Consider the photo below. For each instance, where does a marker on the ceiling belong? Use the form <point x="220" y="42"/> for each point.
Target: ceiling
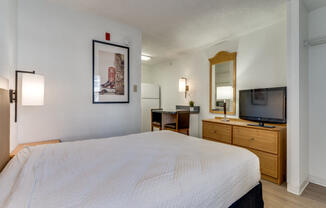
<point x="314" y="4"/>
<point x="170" y="27"/>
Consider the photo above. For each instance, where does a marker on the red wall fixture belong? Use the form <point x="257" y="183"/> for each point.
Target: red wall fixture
<point x="107" y="36"/>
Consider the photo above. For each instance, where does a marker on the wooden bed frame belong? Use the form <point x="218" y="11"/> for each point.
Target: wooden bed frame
<point x="4" y="126"/>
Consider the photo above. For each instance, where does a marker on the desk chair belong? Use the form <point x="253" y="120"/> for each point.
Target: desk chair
<point x="182" y="123"/>
<point x="156" y="119"/>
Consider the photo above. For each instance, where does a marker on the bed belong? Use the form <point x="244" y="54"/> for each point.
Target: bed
<point x="154" y="169"/>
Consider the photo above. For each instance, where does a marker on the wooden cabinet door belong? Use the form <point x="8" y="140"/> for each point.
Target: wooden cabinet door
<point x="257" y="139"/>
<point x="217" y="132"/>
<point x="268" y="163"/>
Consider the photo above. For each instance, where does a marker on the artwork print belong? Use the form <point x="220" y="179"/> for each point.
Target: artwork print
<point x="110" y="73"/>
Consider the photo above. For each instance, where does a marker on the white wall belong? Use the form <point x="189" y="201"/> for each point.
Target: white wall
<point x="8" y="39"/>
<point x="146" y="74"/>
<point x="57" y="43"/>
<point x="8" y="12"/>
<point x="317" y="98"/>
<point x="261" y="62"/>
<point x="297" y="78"/>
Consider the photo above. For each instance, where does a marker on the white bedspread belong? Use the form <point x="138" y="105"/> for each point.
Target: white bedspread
<point x="159" y="169"/>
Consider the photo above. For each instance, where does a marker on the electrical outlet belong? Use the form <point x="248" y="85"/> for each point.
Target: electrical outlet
<point x="135" y="88"/>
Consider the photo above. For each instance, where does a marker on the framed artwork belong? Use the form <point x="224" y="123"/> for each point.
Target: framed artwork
<point x="110" y="73"/>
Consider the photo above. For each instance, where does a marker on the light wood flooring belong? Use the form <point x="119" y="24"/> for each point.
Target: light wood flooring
<point x="276" y="196"/>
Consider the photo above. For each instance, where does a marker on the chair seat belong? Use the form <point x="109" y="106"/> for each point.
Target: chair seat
<point x="155" y="123"/>
<point x="171" y="125"/>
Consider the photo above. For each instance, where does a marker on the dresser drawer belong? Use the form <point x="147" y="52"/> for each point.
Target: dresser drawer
<point x="268" y="163"/>
<point x="217" y="132"/>
<point x="263" y="140"/>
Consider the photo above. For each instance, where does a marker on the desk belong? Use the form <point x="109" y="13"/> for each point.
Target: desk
<point x="178" y="108"/>
<point x="165" y="116"/>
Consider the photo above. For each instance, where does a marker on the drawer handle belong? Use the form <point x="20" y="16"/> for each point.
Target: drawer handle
<point x="252" y="139"/>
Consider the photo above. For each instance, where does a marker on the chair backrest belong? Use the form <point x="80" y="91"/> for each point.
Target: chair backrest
<point x="156" y="117"/>
<point x="183" y="118"/>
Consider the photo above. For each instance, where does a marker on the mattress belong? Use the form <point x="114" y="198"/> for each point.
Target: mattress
<point x="154" y="169"/>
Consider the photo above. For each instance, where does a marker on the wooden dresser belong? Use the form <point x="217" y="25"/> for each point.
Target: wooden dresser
<point x="269" y="144"/>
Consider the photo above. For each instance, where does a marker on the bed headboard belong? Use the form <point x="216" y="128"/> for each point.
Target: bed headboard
<point x="4" y="126"/>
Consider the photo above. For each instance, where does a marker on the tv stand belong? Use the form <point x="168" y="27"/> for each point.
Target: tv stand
<point x="262" y="124"/>
<point x="269" y="144"/>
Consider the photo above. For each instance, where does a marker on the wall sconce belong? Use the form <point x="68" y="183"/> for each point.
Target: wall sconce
<point x="32" y="90"/>
<point x="183" y="87"/>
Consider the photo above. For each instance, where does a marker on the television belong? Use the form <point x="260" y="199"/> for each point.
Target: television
<point x="263" y="105"/>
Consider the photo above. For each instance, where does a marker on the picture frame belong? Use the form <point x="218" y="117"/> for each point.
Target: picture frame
<point x="110" y="81"/>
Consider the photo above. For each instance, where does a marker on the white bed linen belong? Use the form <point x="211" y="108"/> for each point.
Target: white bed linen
<point x="159" y="169"/>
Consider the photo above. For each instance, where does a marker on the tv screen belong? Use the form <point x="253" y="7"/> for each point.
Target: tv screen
<point x="263" y="105"/>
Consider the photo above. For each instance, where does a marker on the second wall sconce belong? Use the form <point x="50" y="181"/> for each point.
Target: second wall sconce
<point x="183" y="86"/>
<point x="32" y="90"/>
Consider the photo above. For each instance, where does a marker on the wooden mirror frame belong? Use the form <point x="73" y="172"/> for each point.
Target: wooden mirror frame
<point x="221" y="57"/>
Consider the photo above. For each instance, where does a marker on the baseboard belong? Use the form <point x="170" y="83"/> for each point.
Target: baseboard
<point x="317" y="180"/>
<point x="297" y="190"/>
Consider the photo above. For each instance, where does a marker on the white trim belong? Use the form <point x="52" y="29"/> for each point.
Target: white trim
<point x="317" y="180"/>
<point x="297" y="190"/>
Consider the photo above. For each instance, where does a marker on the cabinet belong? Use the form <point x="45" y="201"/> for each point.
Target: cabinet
<point x="269" y="144"/>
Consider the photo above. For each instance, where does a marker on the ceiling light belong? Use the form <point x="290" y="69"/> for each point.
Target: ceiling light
<point x="145" y="58"/>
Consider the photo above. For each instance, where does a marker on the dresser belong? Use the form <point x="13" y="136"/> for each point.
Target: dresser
<point x="269" y="144"/>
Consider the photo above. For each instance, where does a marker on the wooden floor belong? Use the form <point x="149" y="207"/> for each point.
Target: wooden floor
<point x="276" y="196"/>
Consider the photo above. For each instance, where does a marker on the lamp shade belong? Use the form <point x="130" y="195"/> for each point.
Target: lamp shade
<point x="182" y="85"/>
<point x="224" y="93"/>
<point x="32" y="90"/>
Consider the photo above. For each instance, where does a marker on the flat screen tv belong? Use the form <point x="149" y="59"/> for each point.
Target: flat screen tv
<point x="263" y="105"/>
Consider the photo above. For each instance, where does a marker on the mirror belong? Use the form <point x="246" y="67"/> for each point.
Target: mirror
<point x="223" y="82"/>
